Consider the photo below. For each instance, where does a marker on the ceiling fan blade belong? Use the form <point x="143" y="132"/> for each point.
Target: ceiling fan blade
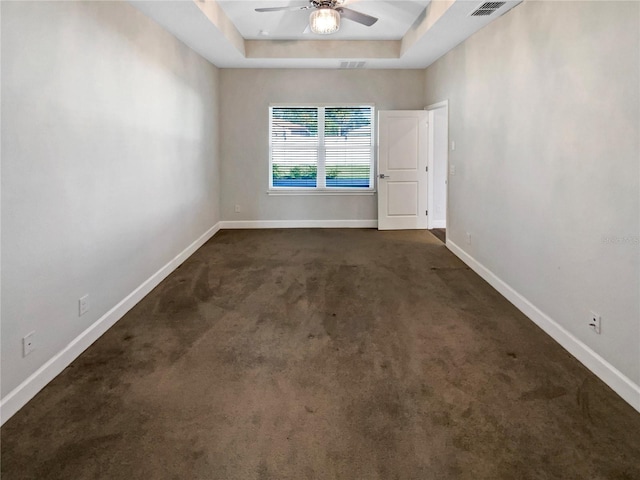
<point x="358" y="17"/>
<point x="280" y="9"/>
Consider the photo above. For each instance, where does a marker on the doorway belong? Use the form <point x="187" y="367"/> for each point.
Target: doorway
<point x="438" y="181"/>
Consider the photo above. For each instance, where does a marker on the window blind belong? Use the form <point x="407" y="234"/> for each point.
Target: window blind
<point x="348" y="147"/>
<point x="294" y="146"/>
<point x="335" y="142"/>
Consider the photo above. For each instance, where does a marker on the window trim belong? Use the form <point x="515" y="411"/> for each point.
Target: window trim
<point x="323" y="189"/>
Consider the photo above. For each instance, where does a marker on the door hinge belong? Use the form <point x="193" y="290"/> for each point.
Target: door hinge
<point x="426" y="212"/>
<point x="426" y="169"/>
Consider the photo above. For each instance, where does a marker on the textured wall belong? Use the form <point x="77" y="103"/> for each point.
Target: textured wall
<point x="544" y="110"/>
<point x="245" y="98"/>
<point x="109" y="165"/>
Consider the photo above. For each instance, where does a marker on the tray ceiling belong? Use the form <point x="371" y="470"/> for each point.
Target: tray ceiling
<point x="408" y="34"/>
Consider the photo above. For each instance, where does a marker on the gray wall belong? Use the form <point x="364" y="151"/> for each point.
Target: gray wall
<point x="245" y="98"/>
<point x="109" y="165"/>
<point x="544" y="110"/>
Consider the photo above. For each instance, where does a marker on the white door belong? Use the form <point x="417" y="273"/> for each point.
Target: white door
<point x="402" y="169"/>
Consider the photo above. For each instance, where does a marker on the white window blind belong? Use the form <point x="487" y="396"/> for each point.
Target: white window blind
<point x="348" y="147"/>
<point x="321" y="147"/>
<point x="294" y="147"/>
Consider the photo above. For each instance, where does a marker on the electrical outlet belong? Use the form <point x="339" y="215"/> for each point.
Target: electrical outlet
<point x="28" y="344"/>
<point x="468" y="238"/>
<point x="83" y="305"/>
<point x="452" y="169"/>
<point x="237" y="208"/>
<point x="594" y="322"/>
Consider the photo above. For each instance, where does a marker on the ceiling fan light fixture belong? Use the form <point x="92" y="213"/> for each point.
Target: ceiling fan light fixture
<point x="324" y="21"/>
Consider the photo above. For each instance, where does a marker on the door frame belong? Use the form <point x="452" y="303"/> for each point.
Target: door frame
<point x="431" y="160"/>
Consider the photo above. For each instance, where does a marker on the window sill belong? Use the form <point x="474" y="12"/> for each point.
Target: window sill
<point x="317" y="191"/>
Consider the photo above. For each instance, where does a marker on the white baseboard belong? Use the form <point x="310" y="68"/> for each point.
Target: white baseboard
<point x="298" y="224"/>
<point x="610" y="375"/>
<point x="438" y="224"/>
<point x="24" y="392"/>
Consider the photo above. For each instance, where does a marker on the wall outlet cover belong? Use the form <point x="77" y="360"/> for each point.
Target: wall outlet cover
<point x="28" y="344"/>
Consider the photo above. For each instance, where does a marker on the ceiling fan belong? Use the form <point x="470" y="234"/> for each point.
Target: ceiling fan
<point x="325" y="17"/>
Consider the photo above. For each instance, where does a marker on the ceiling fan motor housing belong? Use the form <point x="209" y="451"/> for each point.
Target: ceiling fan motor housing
<point x="325" y="3"/>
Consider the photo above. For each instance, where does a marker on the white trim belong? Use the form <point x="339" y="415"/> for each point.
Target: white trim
<point x="433" y="106"/>
<point x="244" y="224"/>
<point x="430" y="201"/>
<point x="335" y="191"/>
<point x="322" y="104"/>
<point x="24" y="392"/>
<point x="430" y="163"/>
<point x="610" y="375"/>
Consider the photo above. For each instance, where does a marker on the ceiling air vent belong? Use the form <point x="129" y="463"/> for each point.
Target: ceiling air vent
<point x="486" y="9"/>
<point x="352" y="64"/>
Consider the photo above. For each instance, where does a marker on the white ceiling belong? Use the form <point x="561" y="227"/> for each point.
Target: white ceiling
<point x="408" y="34"/>
<point x="394" y="19"/>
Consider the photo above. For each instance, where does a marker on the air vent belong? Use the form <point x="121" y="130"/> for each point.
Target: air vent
<point x="352" y="64"/>
<point x="486" y="9"/>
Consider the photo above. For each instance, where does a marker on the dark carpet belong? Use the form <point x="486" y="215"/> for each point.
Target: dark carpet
<point x="324" y="354"/>
<point x="440" y="234"/>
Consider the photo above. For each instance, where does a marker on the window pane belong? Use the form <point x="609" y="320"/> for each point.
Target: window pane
<point x="294" y="146"/>
<point x="348" y="146"/>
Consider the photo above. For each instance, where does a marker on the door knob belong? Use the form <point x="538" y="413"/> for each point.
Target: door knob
<point x="382" y="175"/>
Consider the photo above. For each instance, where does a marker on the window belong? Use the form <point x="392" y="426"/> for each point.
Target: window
<point x="323" y="148"/>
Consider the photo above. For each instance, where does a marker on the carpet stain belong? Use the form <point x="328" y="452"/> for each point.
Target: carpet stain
<point x="582" y="399"/>
<point x="547" y="392"/>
